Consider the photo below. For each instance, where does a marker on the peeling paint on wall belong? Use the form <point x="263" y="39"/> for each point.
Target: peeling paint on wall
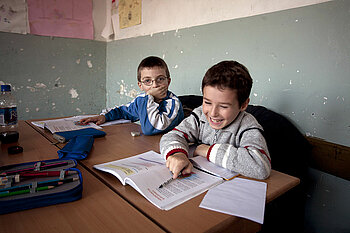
<point x="291" y="70"/>
<point x="133" y="93"/>
<point x="124" y="89"/>
<point x="89" y="64"/>
<point x="40" y="85"/>
<point x="73" y="93"/>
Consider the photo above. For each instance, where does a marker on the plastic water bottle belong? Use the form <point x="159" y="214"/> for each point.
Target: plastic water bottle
<point x="8" y="116"/>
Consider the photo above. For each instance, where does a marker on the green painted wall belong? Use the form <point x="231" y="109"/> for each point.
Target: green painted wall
<point x="298" y="58"/>
<point x="53" y="77"/>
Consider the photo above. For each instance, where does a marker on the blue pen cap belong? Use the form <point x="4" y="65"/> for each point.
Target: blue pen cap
<point x="5" y="88"/>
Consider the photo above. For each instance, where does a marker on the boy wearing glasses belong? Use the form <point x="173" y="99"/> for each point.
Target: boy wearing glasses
<point x="224" y="133"/>
<point x="157" y="109"/>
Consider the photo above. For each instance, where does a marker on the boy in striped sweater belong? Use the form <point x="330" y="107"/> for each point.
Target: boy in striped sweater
<point x="158" y="109"/>
<point x="224" y="133"/>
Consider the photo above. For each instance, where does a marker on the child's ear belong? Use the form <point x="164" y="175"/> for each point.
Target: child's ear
<point x="245" y="104"/>
<point x="140" y="85"/>
<point x="169" y="80"/>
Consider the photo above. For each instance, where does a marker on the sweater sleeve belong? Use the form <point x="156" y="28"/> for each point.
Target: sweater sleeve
<point x="128" y="112"/>
<point x="250" y="158"/>
<point x="179" y="138"/>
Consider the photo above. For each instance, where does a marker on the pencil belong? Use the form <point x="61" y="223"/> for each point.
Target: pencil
<point x="12" y="193"/>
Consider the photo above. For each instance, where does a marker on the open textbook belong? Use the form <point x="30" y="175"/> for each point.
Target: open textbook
<point x="72" y="123"/>
<point x="204" y="165"/>
<point x="147" y="171"/>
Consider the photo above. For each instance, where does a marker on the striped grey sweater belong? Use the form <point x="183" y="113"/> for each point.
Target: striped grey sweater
<point x="239" y="147"/>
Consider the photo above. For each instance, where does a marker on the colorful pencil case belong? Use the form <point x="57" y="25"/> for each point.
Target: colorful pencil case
<point x="41" y="183"/>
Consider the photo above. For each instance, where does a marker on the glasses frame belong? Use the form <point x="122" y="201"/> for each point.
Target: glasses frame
<point x="157" y="80"/>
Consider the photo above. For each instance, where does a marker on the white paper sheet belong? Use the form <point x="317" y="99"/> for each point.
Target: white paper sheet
<point x="115" y="122"/>
<point x="41" y="124"/>
<point x="240" y="197"/>
<point x="13" y="16"/>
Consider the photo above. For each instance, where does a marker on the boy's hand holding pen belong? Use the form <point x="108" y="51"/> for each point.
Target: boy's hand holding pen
<point x="179" y="165"/>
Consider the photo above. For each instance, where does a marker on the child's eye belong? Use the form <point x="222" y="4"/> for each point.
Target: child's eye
<point x="160" y="79"/>
<point x="207" y="103"/>
<point x="223" y="106"/>
<point x="147" y="81"/>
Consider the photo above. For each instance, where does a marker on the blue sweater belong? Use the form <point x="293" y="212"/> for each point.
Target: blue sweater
<point x="154" y="118"/>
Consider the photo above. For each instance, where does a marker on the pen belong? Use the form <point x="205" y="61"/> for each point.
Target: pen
<point x="40" y="184"/>
<point x="196" y="166"/>
<point x="45" y="173"/>
<point x="44" y="166"/>
<point x="34" y="174"/>
<point x="9" y="193"/>
<point x="171" y="179"/>
<point x="165" y="183"/>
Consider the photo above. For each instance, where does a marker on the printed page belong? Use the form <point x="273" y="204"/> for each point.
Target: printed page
<point x="41" y="124"/>
<point x="67" y="124"/>
<point x="140" y="164"/>
<point x="147" y="171"/>
<point x="203" y="164"/>
<point x="175" y="192"/>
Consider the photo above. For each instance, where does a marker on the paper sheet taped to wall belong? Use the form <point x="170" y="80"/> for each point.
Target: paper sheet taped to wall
<point x="129" y="13"/>
<point x="13" y="16"/>
<point x="69" y="18"/>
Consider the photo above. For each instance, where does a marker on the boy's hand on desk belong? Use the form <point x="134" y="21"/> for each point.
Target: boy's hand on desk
<point x="158" y="92"/>
<point x="177" y="163"/>
<point x="96" y="119"/>
<point x="201" y="150"/>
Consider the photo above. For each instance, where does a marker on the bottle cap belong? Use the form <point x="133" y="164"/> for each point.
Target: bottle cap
<point x="5" y="88"/>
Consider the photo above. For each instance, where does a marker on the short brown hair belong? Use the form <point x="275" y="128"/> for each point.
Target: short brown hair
<point x="150" y="62"/>
<point x="230" y="74"/>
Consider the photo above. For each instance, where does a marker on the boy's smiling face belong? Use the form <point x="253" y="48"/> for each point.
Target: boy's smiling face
<point x="220" y="106"/>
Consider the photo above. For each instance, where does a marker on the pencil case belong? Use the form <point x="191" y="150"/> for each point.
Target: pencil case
<point x="40" y="183"/>
<point x="67" y="135"/>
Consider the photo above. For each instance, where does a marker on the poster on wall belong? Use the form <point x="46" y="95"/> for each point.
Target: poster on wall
<point x="129" y="13"/>
<point x="64" y="18"/>
<point x="13" y="16"/>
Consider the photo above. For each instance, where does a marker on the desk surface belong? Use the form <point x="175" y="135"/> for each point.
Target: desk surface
<point x="99" y="210"/>
<point x="120" y="144"/>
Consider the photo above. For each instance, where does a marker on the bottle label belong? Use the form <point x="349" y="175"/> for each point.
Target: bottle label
<point x="8" y="116"/>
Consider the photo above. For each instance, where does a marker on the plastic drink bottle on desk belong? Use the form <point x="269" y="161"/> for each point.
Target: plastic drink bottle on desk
<point x="8" y="116"/>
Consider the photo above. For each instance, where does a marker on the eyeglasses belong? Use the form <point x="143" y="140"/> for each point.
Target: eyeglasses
<point x="158" y="80"/>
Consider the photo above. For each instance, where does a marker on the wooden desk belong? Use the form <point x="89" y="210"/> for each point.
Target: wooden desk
<point x="34" y="146"/>
<point x="99" y="210"/>
<point x="188" y="217"/>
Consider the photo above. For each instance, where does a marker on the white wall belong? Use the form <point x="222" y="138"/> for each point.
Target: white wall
<point x="167" y="15"/>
